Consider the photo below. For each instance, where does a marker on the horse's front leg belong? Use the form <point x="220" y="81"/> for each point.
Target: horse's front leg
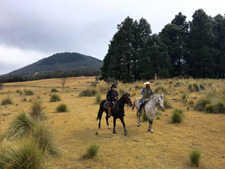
<point x="124" y="126"/>
<point x="138" y="118"/>
<point x="107" y="121"/>
<point x="114" y="125"/>
<point x="150" y="125"/>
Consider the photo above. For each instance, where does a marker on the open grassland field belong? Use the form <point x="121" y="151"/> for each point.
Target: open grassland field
<point x="168" y="147"/>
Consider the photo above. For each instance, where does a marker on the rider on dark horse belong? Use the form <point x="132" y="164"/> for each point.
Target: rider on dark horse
<point x="146" y="93"/>
<point x="111" y="97"/>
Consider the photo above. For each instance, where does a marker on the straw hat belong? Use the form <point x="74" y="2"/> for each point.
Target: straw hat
<point x="147" y="83"/>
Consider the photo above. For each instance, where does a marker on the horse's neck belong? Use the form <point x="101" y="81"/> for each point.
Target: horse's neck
<point x="152" y="102"/>
<point x="120" y="102"/>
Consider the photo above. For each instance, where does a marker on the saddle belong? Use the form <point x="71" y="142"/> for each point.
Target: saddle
<point x="146" y="101"/>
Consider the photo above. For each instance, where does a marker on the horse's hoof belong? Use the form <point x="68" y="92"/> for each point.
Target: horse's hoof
<point x="148" y="129"/>
<point x="114" y="132"/>
<point x="108" y="127"/>
<point x="125" y="133"/>
<point x="151" y="131"/>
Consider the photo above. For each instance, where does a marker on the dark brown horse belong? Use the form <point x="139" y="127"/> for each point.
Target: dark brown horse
<point x="117" y="112"/>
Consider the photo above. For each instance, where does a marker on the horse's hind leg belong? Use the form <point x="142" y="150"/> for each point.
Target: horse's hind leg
<point x="150" y="125"/>
<point x="114" y="125"/>
<point x="107" y="121"/>
<point x="124" y="126"/>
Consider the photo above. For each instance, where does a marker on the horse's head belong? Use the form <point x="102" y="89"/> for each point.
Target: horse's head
<point x="127" y="99"/>
<point x="160" y="101"/>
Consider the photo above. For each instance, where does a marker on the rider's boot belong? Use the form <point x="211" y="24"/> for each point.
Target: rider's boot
<point x="109" y="111"/>
<point x="140" y="108"/>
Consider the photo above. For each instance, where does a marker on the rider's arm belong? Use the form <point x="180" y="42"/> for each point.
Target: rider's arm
<point x="142" y="92"/>
<point x="151" y="92"/>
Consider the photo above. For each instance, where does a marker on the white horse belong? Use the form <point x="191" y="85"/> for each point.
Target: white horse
<point x="150" y="109"/>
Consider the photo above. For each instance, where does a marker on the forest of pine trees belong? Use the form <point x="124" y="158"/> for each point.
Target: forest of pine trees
<point x="182" y="49"/>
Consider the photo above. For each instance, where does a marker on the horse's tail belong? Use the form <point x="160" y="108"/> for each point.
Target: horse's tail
<point x="100" y="111"/>
<point x="133" y="104"/>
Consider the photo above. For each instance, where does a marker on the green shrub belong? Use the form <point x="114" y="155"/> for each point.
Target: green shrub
<point x="92" y="150"/>
<point x="21" y="126"/>
<point x="195" y="157"/>
<point x="55" y="98"/>
<point x="220" y="107"/>
<point x="144" y="117"/>
<point x="177" y="116"/>
<point x="46" y="141"/>
<point x="98" y="98"/>
<point x="88" y="93"/>
<point x="161" y="90"/>
<point x="62" y="108"/>
<point x="209" y="108"/>
<point x="201" y="103"/>
<point x="23" y="155"/>
<point x="37" y="111"/>
<point x="6" y="101"/>
<point x="28" y="92"/>
<point x="54" y="90"/>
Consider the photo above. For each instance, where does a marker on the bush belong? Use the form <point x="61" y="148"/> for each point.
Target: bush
<point x="55" y="98"/>
<point x="98" y="98"/>
<point x="54" y="90"/>
<point x="184" y="97"/>
<point x="46" y="141"/>
<point x="161" y="90"/>
<point x="195" y="157"/>
<point x="220" y="107"/>
<point x="144" y="117"/>
<point x="62" y="108"/>
<point x="28" y="92"/>
<point x="37" y="111"/>
<point x="201" y="103"/>
<point x="21" y="126"/>
<point x="92" y="150"/>
<point x="209" y="108"/>
<point x="88" y="93"/>
<point x="6" y="101"/>
<point x="177" y="116"/>
<point x="23" y="155"/>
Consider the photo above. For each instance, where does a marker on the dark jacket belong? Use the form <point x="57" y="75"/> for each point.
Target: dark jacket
<point x="112" y="95"/>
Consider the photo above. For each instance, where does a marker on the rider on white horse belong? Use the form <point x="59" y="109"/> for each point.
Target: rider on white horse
<point x="146" y="93"/>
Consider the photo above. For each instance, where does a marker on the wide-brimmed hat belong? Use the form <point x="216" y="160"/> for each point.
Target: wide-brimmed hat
<point x="147" y="83"/>
<point x="114" y="86"/>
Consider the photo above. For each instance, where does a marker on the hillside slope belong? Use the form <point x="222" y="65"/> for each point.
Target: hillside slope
<point x="63" y="62"/>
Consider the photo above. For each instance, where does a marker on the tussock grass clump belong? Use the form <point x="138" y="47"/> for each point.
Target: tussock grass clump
<point x="167" y="103"/>
<point x="55" y="98"/>
<point x="46" y="141"/>
<point x="122" y="91"/>
<point x="22" y="155"/>
<point x="161" y="90"/>
<point x="185" y="97"/>
<point x="220" y="107"/>
<point x="178" y="84"/>
<point x="54" y="90"/>
<point x="144" y="117"/>
<point x="92" y="150"/>
<point x="191" y="103"/>
<point x="195" y="157"/>
<point x="37" y="112"/>
<point x="6" y="101"/>
<point x="21" y="126"/>
<point x="103" y="87"/>
<point x="28" y="92"/>
<point x="88" y="93"/>
<point x="98" y="98"/>
<point x="201" y="103"/>
<point x="62" y="108"/>
<point x="177" y="116"/>
<point x="209" y="108"/>
<point x="194" y="87"/>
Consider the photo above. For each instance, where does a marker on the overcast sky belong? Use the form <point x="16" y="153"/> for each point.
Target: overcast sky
<point x="34" y="29"/>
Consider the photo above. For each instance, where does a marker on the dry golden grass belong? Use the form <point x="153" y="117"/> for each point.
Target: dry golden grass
<point x="168" y="147"/>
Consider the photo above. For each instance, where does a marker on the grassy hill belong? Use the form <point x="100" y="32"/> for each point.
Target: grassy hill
<point x="62" y="62"/>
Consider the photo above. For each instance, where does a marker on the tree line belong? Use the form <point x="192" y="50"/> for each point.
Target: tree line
<point x="188" y="49"/>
